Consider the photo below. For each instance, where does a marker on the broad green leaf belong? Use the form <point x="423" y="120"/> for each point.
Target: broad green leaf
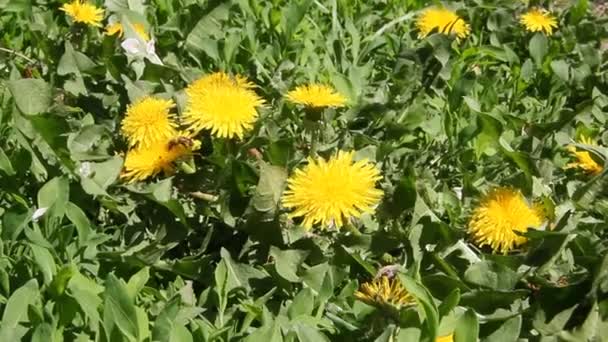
<point x="293" y="14"/>
<point x="15" y="310"/>
<point x="45" y="261"/>
<point x="538" y="47"/>
<point x="55" y="193"/>
<point x="491" y="275"/>
<point x="425" y="300"/>
<point x="467" y="328"/>
<point x="302" y="305"/>
<point x="119" y="308"/>
<point x="270" y="186"/>
<point x="287" y="262"/>
<point x="73" y="62"/>
<point x="32" y="96"/>
<point x="307" y="333"/>
<point x="5" y="164"/>
<point x="80" y="221"/>
<point x="507" y="332"/>
<point x="165" y="322"/>
<point x="138" y="281"/>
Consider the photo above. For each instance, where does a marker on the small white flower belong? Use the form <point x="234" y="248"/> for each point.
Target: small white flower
<point x="458" y="192"/>
<point x="38" y="213"/>
<point x="141" y="49"/>
<point x="85" y="170"/>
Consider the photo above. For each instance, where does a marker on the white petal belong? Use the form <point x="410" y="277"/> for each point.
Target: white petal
<point x="131" y="45"/>
<point x="38" y="213"/>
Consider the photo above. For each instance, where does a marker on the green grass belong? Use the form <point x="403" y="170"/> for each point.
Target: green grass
<point x="212" y="255"/>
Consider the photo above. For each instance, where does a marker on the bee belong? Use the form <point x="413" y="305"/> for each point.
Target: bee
<point x="185" y="142"/>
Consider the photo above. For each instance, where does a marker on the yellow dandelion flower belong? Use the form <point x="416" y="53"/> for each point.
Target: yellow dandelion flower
<point x="142" y="163"/>
<point x="500" y="214"/>
<point x="539" y="20"/>
<point x="82" y="12"/>
<point x="333" y="191"/>
<point x="117" y="29"/>
<point x="384" y="291"/>
<point x="441" y="20"/>
<point x="446" y="338"/>
<point x="148" y="121"/>
<point x="224" y="104"/>
<point x="584" y="160"/>
<point x="316" y="96"/>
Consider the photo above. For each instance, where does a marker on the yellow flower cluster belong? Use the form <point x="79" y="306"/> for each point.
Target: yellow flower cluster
<point x="227" y="107"/>
<point x="156" y="143"/>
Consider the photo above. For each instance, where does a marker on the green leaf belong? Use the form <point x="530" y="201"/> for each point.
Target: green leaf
<point x="138" y="281"/>
<point x="302" y="304"/>
<point x="54" y="193"/>
<point x="15" y="311"/>
<point x="467" y="328"/>
<point x="293" y="15"/>
<point x="425" y="300"/>
<point x="307" y="333"/>
<point x="287" y="262"/>
<point x="99" y="176"/>
<point x="32" y="96"/>
<point x="507" y="332"/>
<point x="270" y="186"/>
<point x="119" y="309"/>
<point x="491" y="275"/>
<point x="73" y="62"/>
<point x="538" y="48"/>
<point x="561" y="68"/>
<point x="80" y="220"/>
<point x="5" y="164"/>
<point x="165" y="322"/>
<point x="45" y="261"/>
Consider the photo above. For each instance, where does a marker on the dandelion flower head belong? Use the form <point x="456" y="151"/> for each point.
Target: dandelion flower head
<point x="83" y="12"/>
<point x="223" y="104"/>
<point x="583" y="159"/>
<point x="316" y="96"/>
<point x="384" y="291"/>
<point x="446" y="338"/>
<point x="148" y="121"/>
<point x="539" y="20"/>
<point x="441" y="20"/>
<point x="142" y="163"/>
<point x="500" y="214"/>
<point x="333" y="191"/>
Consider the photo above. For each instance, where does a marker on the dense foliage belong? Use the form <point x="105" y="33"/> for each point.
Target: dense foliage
<point x="490" y="127"/>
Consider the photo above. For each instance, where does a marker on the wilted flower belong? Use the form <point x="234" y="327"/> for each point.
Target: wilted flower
<point x="443" y="21"/>
<point x="221" y="103"/>
<point x="584" y="161"/>
<point x="500" y="214"/>
<point x="539" y="20"/>
<point x="148" y="121"/>
<point x="316" y="96"/>
<point x="82" y="12"/>
<point x="332" y="192"/>
<point x="384" y="291"/>
<point x="141" y="49"/>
